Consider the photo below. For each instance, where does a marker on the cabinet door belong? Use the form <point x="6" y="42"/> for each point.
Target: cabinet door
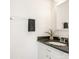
<point x="47" y="52"/>
<point x="42" y="52"/>
<point x="57" y="54"/>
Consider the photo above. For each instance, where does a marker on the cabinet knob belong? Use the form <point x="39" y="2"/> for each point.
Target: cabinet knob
<point x="49" y="50"/>
<point x="50" y="58"/>
<point x="47" y="56"/>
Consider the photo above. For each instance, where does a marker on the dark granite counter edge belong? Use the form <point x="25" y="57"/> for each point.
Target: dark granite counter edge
<point x="54" y="47"/>
<point x="44" y="42"/>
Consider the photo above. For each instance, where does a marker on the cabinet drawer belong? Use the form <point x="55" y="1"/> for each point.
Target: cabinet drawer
<point x="56" y="51"/>
<point x="47" y="52"/>
<point x="57" y="54"/>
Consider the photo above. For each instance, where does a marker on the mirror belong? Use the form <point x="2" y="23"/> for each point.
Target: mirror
<point x="62" y="19"/>
<point x="62" y="16"/>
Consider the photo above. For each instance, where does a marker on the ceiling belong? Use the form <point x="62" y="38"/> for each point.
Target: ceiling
<point x="58" y="2"/>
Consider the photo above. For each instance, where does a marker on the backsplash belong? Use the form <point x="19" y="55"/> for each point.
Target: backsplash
<point x="62" y="33"/>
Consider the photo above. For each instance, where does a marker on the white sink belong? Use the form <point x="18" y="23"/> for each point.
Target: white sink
<point x="57" y="43"/>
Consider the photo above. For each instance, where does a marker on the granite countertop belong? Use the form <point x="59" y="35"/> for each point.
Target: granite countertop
<point x="44" y="40"/>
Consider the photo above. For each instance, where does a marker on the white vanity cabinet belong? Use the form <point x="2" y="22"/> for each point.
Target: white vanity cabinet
<point x="47" y="52"/>
<point x="43" y="52"/>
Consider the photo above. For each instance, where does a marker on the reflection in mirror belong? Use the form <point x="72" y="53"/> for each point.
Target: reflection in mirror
<point x="65" y="25"/>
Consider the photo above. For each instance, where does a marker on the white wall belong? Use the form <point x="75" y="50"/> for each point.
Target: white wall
<point x="23" y="43"/>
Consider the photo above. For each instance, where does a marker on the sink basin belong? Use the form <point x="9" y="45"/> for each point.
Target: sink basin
<point x="57" y="43"/>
